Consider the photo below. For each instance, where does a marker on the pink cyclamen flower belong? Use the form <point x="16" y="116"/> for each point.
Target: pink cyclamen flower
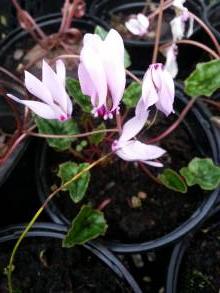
<point x="178" y="24"/>
<point x="157" y="89"/>
<point x="130" y="149"/>
<point x="171" y="60"/>
<point x="138" y="24"/>
<point x="56" y="103"/>
<point x="102" y="72"/>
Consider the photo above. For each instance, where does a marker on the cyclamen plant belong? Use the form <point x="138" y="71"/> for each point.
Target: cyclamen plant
<point x="100" y="94"/>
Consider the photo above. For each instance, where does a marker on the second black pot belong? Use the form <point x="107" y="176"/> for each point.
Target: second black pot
<point x="94" y="253"/>
<point x="202" y="133"/>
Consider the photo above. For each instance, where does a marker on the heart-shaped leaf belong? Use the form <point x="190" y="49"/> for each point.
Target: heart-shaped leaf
<point x="74" y="90"/>
<point x="87" y="225"/>
<point x="77" y="188"/>
<point x="132" y="95"/>
<point x="98" y="137"/>
<point x="202" y="172"/>
<point x="56" y="127"/>
<point x="172" y="180"/>
<point x="204" y="80"/>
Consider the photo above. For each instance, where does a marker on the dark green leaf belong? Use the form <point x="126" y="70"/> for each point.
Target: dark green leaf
<point x="172" y="180"/>
<point x="56" y="127"/>
<point x="132" y="95"/>
<point x="87" y="225"/>
<point x="204" y="80"/>
<point x="98" y="137"/>
<point x="202" y="172"/>
<point x="74" y="90"/>
<point x="103" y="33"/>
<point x="77" y="188"/>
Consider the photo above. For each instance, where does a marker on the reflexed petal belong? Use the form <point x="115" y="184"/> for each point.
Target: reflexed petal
<point x="114" y="43"/>
<point x="86" y="84"/>
<point x="39" y="108"/>
<point x="37" y="88"/>
<point x="113" y="63"/>
<point x="171" y="62"/>
<point x="149" y="93"/>
<point x="179" y="4"/>
<point x="96" y="73"/>
<point x="55" y="86"/>
<point x="143" y="20"/>
<point x="190" y="29"/>
<point x="177" y="28"/>
<point x="133" y="126"/>
<point x="61" y="71"/>
<point x="136" y="151"/>
<point x="167" y="94"/>
<point x="133" y="26"/>
<point x="153" y="163"/>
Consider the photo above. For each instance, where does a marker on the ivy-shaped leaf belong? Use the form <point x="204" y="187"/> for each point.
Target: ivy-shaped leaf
<point x="204" y="80"/>
<point x="98" y="137"/>
<point x="103" y="33"/>
<point x="87" y="225"/>
<point x="202" y="172"/>
<point x="74" y="90"/>
<point x="172" y="180"/>
<point x="132" y="95"/>
<point x="77" y="189"/>
<point x="56" y="127"/>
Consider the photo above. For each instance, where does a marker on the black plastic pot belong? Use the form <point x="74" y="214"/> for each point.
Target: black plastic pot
<point x="8" y="125"/>
<point x="212" y="18"/>
<point x="49" y="230"/>
<point x="141" y="51"/>
<point x="177" y="257"/>
<point x="203" y="135"/>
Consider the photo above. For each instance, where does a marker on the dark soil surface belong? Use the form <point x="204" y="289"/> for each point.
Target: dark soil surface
<point x="139" y="209"/>
<point x="200" y="270"/>
<point x="44" y="266"/>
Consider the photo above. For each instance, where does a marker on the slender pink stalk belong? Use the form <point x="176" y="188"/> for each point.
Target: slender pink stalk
<point x="194" y="43"/>
<point x="149" y="173"/>
<point x="58" y="136"/>
<point x="133" y="76"/>
<point x="104" y="204"/>
<point x="166" y="5"/>
<point x="208" y="31"/>
<point x="158" y="32"/>
<point x="170" y="129"/>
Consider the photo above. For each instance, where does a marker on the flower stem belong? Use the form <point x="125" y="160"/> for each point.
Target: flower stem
<point x="133" y="76"/>
<point x="37" y="214"/>
<point x="58" y="136"/>
<point x="196" y="44"/>
<point x="208" y="31"/>
<point x="170" y="129"/>
<point x="159" y="24"/>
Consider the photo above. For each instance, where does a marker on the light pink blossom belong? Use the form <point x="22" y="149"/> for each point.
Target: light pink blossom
<point x="102" y="72"/>
<point x="55" y="102"/>
<point x="157" y="89"/>
<point x="171" y="60"/>
<point x="130" y="149"/>
<point x="178" y="24"/>
<point x="138" y="24"/>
